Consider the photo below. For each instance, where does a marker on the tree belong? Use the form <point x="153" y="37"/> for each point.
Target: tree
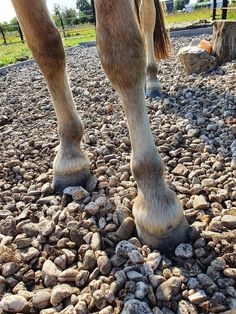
<point x="180" y="4"/>
<point x="14" y="21"/>
<point x="83" y="5"/>
<point x="68" y="15"/>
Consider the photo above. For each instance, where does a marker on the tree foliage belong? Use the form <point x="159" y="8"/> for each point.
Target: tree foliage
<point x="83" y="5"/>
<point x="14" y="21"/>
<point x="179" y="4"/>
<point x="68" y="15"/>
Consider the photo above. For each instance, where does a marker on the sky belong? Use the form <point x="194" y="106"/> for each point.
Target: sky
<point x="7" y="12"/>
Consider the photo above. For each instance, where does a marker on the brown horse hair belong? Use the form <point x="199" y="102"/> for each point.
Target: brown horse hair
<point x="162" y="44"/>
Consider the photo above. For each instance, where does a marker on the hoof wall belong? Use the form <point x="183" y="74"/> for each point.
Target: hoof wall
<point x="153" y="93"/>
<point x="166" y="243"/>
<point x="61" y="182"/>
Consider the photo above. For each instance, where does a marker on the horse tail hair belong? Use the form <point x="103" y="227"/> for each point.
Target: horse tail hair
<point x="162" y="44"/>
<point x="136" y="7"/>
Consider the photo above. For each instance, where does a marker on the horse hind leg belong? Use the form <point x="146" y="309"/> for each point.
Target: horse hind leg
<point x="156" y="40"/>
<point x="158" y="214"/>
<point x="71" y="167"/>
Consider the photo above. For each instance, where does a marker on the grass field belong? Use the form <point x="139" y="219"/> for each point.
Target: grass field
<point x="197" y="15"/>
<point x="13" y="53"/>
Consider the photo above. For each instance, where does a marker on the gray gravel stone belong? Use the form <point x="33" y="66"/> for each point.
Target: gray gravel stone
<point x="77" y="192"/>
<point x="168" y="289"/>
<point x="92" y="208"/>
<point x="9" y="269"/>
<point x="104" y="265"/>
<point x="50" y="273"/>
<point x="41" y="298"/>
<point x="2" y="284"/>
<point x="13" y="303"/>
<point x="184" y="250"/>
<point x="136" y="307"/>
<point x="125" y="231"/>
<point x="59" y="293"/>
<point x="141" y="290"/>
<point x="199" y="202"/>
<point x="82" y="278"/>
<point x="197" y="297"/>
<point x="229" y="221"/>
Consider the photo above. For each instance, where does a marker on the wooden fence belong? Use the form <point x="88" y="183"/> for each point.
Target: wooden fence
<point x="224" y="9"/>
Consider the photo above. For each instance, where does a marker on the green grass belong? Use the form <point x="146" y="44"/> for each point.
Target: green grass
<point x="13" y="53"/>
<point x="197" y="15"/>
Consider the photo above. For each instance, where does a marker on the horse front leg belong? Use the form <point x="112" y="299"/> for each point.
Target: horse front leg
<point x="71" y="167"/>
<point x="158" y="213"/>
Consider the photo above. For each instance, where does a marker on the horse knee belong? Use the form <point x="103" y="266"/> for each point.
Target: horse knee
<point x="48" y="52"/>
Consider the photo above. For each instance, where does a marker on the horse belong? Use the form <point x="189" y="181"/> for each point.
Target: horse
<point x="129" y="36"/>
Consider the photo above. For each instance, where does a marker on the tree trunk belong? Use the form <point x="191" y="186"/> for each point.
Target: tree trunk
<point x="224" y="41"/>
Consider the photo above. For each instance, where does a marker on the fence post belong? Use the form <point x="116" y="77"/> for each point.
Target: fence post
<point x="20" y="32"/>
<point x="214" y="10"/>
<point x="94" y="12"/>
<point x="3" y="35"/>
<point x="62" y="25"/>
<point x="224" y="11"/>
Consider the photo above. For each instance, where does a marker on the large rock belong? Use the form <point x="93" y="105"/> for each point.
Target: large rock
<point x="196" y="60"/>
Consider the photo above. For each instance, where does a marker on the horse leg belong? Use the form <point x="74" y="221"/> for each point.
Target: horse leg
<point x="70" y="167"/>
<point x="148" y="19"/>
<point x="158" y="213"/>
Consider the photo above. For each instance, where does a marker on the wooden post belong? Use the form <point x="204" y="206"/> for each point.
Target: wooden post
<point x="224" y="11"/>
<point x="94" y="12"/>
<point x="214" y="10"/>
<point x="62" y="26"/>
<point x="224" y="40"/>
<point x="20" y="32"/>
<point x="3" y="35"/>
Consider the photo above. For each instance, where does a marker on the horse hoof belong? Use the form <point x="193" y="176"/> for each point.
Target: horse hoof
<point x="167" y="242"/>
<point x="60" y="182"/>
<point x="153" y="93"/>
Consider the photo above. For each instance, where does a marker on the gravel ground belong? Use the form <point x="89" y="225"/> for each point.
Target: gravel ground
<point x="79" y="253"/>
